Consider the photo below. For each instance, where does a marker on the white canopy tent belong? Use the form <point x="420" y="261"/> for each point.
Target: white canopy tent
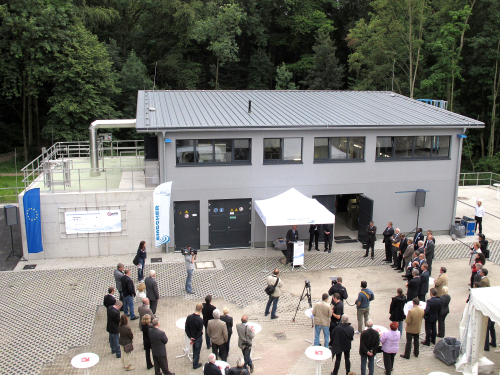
<point x="292" y="208"/>
<point x="483" y="304"/>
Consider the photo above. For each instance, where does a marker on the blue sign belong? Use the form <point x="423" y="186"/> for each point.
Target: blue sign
<point x="31" y="201"/>
<point x="216" y="210"/>
<point x="221" y="209"/>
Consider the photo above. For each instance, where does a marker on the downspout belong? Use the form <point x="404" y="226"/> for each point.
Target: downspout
<point x="459" y="162"/>
<point x="94" y="149"/>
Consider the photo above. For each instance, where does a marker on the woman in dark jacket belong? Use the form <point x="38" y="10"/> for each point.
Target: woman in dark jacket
<point x="397" y="309"/>
<point x="126" y="337"/>
<point x="445" y="309"/>
<point x="229" y="323"/>
<point x="141" y="255"/>
<point x="483" y="245"/>
<point x="146" y="325"/>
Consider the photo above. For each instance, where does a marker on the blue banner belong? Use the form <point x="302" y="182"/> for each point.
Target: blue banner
<point x="32" y="220"/>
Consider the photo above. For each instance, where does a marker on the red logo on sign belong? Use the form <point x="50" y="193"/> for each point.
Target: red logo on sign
<point x="85" y="359"/>
<point x="318" y="352"/>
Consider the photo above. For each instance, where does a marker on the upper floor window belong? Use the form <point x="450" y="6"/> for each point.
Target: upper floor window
<point x="213" y="151"/>
<point x="339" y="149"/>
<point x="282" y="150"/>
<point x="413" y="147"/>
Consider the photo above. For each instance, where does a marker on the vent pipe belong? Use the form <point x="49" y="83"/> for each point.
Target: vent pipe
<point x="249" y="106"/>
<point x="94" y="148"/>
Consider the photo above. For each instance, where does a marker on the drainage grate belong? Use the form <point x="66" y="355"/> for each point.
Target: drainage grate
<point x="280" y="336"/>
<point x="29" y="267"/>
<point x="156" y="260"/>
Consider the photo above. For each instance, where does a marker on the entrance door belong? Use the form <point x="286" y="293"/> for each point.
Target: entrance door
<point x="230" y="223"/>
<point x="187" y="224"/>
<point x="365" y="216"/>
<point x="329" y="202"/>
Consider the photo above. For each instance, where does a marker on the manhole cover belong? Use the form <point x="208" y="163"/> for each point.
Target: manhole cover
<point x="204" y="265"/>
<point x="280" y="336"/>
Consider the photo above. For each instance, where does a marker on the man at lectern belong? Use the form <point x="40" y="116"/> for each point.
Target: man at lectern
<point x="291" y="236"/>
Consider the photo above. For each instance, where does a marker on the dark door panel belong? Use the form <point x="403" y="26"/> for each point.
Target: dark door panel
<point x="365" y="216"/>
<point x="230" y="223"/>
<point x="187" y="224"/>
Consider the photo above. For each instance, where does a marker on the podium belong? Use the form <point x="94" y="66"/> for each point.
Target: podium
<point x="298" y="254"/>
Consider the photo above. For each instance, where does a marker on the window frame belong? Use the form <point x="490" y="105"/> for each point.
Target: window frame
<point x="347" y="159"/>
<point x="280" y="160"/>
<point x="212" y="163"/>
<point x="412" y="156"/>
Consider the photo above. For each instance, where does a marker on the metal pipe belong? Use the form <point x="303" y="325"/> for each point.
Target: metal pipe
<point x="94" y="149"/>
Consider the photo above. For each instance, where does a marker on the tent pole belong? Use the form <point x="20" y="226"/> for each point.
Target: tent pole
<point x="265" y="247"/>
<point x="333" y="242"/>
<point x="253" y="228"/>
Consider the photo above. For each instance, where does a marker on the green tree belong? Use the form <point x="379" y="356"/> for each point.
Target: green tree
<point x="84" y="85"/>
<point x="220" y="29"/>
<point x="261" y="71"/>
<point x="326" y="72"/>
<point x="284" y="79"/>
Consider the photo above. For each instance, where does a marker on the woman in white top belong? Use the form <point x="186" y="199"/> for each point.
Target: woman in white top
<point x="141" y="292"/>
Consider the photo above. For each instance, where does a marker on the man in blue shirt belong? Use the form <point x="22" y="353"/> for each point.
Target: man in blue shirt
<point x="363" y="305"/>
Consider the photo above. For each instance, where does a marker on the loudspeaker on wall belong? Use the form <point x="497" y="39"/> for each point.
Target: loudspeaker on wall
<point x="11" y="215"/>
<point x="420" y="198"/>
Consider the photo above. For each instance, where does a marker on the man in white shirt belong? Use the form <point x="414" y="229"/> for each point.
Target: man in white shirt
<point x="479" y="216"/>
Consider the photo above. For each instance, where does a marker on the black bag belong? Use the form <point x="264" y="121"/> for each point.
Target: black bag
<point x="136" y="260"/>
<point x="270" y="289"/>
<point x="486" y="251"/>
<point x="128" y="348"/>
<point x="447" y="350"/>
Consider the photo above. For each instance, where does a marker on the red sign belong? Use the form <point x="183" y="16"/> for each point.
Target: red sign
<point x="318" y="352"/>
<point x="85" y="359"/>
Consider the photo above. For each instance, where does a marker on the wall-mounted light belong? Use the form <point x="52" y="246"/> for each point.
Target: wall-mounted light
<point x="461" y="136"/>
<point x="168" y="140"/>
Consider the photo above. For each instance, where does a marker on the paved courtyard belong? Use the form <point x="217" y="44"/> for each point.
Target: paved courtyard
<point x="55" y="312"/>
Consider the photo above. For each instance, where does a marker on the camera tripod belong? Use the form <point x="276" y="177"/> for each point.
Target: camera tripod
<point x="305" y="293"/>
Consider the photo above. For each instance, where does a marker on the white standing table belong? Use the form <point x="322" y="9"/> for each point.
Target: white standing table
<point x="498" y="191"/>
<point x="181" y="324"/>
<point x="256" y="328"/>
<point x="318" y="353"/>
<point x="220" y="364"/>
<point x="309" y="314"/>
<point x="85" y="361"/>
<point x="380" y="330"/>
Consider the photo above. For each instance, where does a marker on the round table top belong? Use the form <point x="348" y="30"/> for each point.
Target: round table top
<point x="309" y="313"/>
<point x="256" y="326"/>
<point x="221" y="364"/>
<point x="380" y="329"/>
<point x="84" y="360"/>
<point x="496" y="184"/>
<point x="181" y="323"/>
<point x="409" y="306"/>
<point x="318" y="353"/>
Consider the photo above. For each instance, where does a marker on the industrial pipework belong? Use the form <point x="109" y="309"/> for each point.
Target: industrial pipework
<point x="94" y="148"/>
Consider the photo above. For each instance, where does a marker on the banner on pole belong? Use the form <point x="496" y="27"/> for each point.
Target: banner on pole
<point x="161" y="202"/>
<point x="32" y="220"/>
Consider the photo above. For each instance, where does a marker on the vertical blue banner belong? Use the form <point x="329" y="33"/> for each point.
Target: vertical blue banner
<point x="31" y="201"/>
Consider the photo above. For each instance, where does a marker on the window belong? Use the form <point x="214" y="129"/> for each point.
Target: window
<point x="213" y="151"/>
<point x="339" y="149"/>
<point x="417" y="147"/>
<point x="282" y="150"/>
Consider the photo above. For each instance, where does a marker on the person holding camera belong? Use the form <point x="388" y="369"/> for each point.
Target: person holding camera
<point x="245" y="337"/>
<point x="275" y="282"/>
<point x="337" y="287"/>
<point x="189" y="258"/>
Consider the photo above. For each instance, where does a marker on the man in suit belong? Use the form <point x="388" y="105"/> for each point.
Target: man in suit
<point x="424" y="283"/>
<point x="419" y="236"/>
<point x="109" y="299"/>
<point x="128" y="295"/>
<point x="407" y="256"/>
<point x="485" y="282"/>
<point x="371" y="230"/>
<point x="245" y="336"/>
<point x="428" y="238"/>
<point x="118" y="274"/>
<point x="210" y="367"/>
<point x="403" y="245"/>
<point x="413" y="325"/>
<point x="328" y="234"/>
<point x="369" y="342"/>
<point x="217" y="330"/>
<point x="143" y="310"/>
<point x="313" y="236"/>
<point x="152" y="290"/>
<point x="113" y="314"/>
<point x="396" y="242"/>
<point x="388" y="233"/>
<point x="441" y="281"/>
<point x="158" y="340"/>
<point x="207" y="311"/>
<point x="429" y="252"/>
<point x="292" y="236"/>
<point x="413" y="286"/>
<point x="432" y="312"/>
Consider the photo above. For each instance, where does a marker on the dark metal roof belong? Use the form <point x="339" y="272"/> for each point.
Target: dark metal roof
<point x="192" y="109"/>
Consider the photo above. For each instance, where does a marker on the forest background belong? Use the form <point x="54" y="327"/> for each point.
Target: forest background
<point x="65" y="63"/>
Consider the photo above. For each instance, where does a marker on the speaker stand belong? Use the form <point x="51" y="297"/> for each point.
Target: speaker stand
<point x="12" y="252"/>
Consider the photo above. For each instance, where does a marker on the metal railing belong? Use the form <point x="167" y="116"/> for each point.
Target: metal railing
<point x="479" y="179"/>
<point x="10" y="198"/>
<point x="54" y="159"/>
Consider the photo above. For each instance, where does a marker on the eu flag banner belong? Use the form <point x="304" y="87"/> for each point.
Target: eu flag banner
<point x="31" y="201"/>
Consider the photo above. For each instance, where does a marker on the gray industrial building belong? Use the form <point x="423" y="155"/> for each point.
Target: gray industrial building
<point x="362" y="154"/>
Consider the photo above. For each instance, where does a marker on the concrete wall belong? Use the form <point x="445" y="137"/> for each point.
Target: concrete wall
<point x="379" y="180"/>
<point x="138" y="207"/>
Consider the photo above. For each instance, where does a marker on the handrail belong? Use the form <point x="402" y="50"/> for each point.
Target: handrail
<point x="478" y="179"/>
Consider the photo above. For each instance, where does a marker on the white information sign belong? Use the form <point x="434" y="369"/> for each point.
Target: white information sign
<point x="298" y="253"/>
<point x="93" y="221"/>
<point x="161" y="202"/>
